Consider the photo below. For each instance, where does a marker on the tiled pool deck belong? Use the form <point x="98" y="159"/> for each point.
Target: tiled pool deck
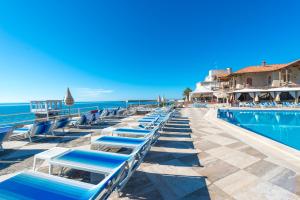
<point x="193" y="159"/>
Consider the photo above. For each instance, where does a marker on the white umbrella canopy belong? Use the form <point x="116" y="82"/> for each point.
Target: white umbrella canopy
<point x="277" y="98"/>
<point x="69" y="100"/>
<point x="163" y="99"/>
<point x="256" y="99"/>
<point x="158" y="99"/>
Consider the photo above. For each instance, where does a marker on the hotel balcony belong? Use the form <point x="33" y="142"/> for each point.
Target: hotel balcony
<point x="243" y="86"/>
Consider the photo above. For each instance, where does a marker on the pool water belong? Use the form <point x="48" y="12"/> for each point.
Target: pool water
<point x="280" y="125"/>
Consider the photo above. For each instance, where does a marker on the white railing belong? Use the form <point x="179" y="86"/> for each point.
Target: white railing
<point x="63" y="113"/>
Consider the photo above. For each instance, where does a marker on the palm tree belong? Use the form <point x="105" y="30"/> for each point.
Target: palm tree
<point x="186" y="92"/>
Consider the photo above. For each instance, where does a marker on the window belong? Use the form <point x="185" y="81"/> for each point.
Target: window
<point x="286" y="75"/>
<point x="249" y="82"/>
<point x="269" y="80"/>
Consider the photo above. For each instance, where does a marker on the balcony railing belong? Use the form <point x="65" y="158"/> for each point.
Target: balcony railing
<point x="264" y="87"/>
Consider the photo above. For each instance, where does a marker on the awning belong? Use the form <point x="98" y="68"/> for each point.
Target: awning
<point x="202" y="90"/>
<point x="220" y="95"/>
<point x="284" y="89"/>
<point x="249" y="90"/>
<point x="280" y="89"/>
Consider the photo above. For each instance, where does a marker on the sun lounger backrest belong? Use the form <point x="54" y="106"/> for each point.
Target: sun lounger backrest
<point x="38" y="128"/>
<point x="5" y="132"/>
<point x="61" y="123"/>
<point x="47" y="126"/>
<point x="82" y="120"/>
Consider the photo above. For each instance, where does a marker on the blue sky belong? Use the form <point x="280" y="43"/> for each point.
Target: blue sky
<point x="116" y="50"/>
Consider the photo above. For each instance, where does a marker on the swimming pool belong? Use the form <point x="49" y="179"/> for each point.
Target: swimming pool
<point x="280" y="125"/>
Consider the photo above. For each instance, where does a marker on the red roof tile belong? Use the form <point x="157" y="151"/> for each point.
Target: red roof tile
<point x="266" y="68"/>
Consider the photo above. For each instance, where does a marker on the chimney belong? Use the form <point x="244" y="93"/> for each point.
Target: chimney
<point x="264" y="63"/>
<point x="229" y="70"/>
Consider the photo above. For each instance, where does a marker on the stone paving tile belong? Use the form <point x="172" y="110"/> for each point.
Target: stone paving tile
<point x="227" y="135"/>
<point x="288" y="180"/>
<point x="205" y="145"/>
<point x="211" y="193"/>
<point x="14" y="144"/>
<point x="221" y="140"/>
<point x="174" y="150"/>
<point x="175" y="181"/>
<point x="253" y="152"/>
<point x="139" y="187"/>
<point x="162" y="138"/>
<point x="175" y="144"/>
<point x="177" y="135"/>
<point x="190" y="160"/>
<point x="263" y="190"/>
<point x="237" y="145"/>
<point x="212" y="130"/>
<point x="216" y="170"/>
<point x="261" y="168"/>
<point x="297" y="189"/>
<point x="235" y="182"/>
<point x="233" y="157"/>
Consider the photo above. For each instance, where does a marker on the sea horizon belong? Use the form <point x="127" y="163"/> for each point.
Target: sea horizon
<point x="9" y="111"/>
<point x="83" y="101"/>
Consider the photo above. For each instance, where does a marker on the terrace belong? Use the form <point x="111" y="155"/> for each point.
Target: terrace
<point x="194" y="158"/>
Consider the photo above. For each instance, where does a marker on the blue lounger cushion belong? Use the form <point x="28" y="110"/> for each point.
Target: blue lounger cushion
<point x="146" y="120"/>
<point x="125" y="141"/>
<point x="33" y="185"/>
<point x="103" y="160"/>
<point x="4" y="131"/>
<point x="133" y="130"/>
<point x="149" y="117"/>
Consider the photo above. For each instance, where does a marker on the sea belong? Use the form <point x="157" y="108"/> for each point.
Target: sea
<point x="11" y="113"/>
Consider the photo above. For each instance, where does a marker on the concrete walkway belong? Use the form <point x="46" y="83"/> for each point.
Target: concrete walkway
<point x="196" y="159"/>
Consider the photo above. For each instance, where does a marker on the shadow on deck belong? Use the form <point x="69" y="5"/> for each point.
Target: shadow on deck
<point x="167" y="171"/>
<point x="143" y="185"/>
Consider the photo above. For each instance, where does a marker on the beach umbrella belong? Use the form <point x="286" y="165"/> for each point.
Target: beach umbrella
<point x="186" y="99"/>
<point x="163" y="100"/>
<point x="69" y="100"/>
<point x="158" y="100"/>
<point x="277" y="98"/>
<point x="256" y="99"/>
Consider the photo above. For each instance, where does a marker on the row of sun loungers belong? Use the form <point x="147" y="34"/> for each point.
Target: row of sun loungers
<point x="49" y="126"/>
<point x="116" y="168"/>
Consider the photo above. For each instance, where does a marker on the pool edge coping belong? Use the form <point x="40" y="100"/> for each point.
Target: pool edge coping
<point x="266" y="145"/>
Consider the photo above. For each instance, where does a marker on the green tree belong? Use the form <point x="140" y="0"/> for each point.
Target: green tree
<point x="186" y="92"/>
